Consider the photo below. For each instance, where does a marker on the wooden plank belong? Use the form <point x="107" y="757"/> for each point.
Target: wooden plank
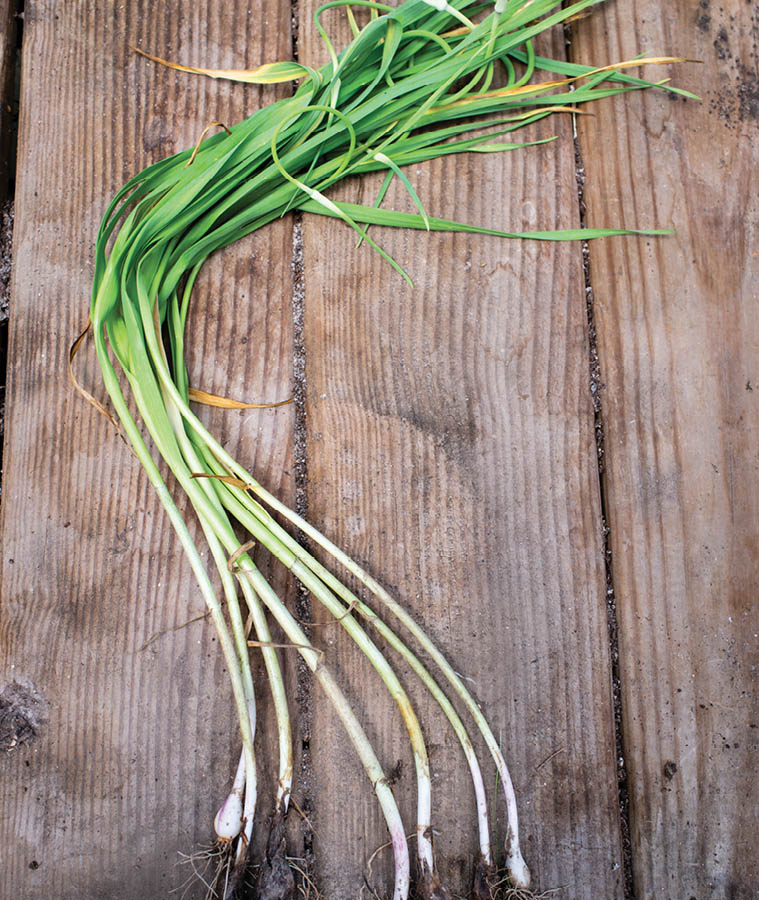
<point x="450" y="448"/>
<point x="7" y="79"/>
<point x="679" y="347"/>
<point x="134" y="749"/>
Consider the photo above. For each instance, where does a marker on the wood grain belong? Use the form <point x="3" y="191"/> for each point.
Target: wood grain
<point x="450" y="448"/>
<point x="137" y="746"/>
<point x="679" y="347"/>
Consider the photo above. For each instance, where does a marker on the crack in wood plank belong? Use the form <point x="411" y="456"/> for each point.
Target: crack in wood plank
<point x="597" y="390"/>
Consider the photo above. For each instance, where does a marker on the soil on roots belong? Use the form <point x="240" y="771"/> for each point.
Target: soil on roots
<point x="276" y="880"/>
<point x="430" y="887"/>
<point x="484" y="875"/>
<point x="236" y="886"/>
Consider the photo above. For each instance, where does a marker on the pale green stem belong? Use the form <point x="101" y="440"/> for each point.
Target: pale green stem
<point x="358" y="738"/>
<point x="249" y="517"/>
<point x="174" y="405"/>
<point x="277" y="608"/>
<point x="230" y="592"/>
<point x="202" y="503"/>
<point x="518" y="870"/>
<point x="279" y="696"/>
<point x="193" y="556"/>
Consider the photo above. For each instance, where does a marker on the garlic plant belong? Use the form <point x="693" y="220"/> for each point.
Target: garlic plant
<point x="414" y="83"/>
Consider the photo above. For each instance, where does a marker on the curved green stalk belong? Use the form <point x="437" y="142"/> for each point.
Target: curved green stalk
<point x="223" y="532"/>
<point x="289" y="551"/>
<point x="209" y="595"/>
<point x="517" y="868"/>
<point x="355" y="732"/>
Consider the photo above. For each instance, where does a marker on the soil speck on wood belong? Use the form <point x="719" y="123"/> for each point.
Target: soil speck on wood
<point x="748" y="94"/>
<point x="22" y="713"/>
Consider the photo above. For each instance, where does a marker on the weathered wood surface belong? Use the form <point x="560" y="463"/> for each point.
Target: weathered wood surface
<point x="678" y="337"/>
<point x="7" y="80"/>
<point x="136" y="747"/>
<point x="450" y="448"/>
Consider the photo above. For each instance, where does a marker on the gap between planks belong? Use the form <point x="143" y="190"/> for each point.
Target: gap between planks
<point x="596" y="387"/>
<point x="11" y="26"/>
<point x="305" y="685"/>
